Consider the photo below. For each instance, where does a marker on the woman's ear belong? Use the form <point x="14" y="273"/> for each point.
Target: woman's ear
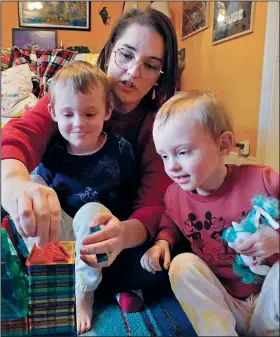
<point x="108" y="113"/>
<point x="227" y="143"/>
<point x="52" y="112"/>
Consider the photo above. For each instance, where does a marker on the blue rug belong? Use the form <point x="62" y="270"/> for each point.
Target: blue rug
<point x="162" y="316"/>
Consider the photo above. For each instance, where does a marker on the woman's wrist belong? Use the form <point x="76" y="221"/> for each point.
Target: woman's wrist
<point x="134" y="233"/>
<point x="13" y="169"/>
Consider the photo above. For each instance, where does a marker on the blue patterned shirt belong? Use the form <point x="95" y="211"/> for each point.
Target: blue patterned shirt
<point x="106" y="176"/>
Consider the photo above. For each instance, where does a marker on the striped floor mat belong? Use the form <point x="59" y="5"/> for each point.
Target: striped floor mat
<point x="162" y="316"/>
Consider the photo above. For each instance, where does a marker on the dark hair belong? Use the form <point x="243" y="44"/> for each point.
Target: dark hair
<point x="160" y="22"/>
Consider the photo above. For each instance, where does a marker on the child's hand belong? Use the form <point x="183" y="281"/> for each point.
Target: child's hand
<point x="263" y="243"/>
<point x="150" y="260"/>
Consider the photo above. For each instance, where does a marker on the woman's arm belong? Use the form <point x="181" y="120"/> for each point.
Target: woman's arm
<point x="34" y="208"/>
<point x="149" y="204"/>
<point x="26" y="138"/>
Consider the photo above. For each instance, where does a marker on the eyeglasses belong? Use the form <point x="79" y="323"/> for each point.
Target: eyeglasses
<point x="148" y="69"/>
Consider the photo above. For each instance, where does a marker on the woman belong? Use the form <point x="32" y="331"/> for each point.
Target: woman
<point x="140" y="59"/>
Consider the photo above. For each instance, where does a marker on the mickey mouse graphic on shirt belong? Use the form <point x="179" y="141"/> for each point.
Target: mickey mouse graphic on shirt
<point x="207" y="236"/>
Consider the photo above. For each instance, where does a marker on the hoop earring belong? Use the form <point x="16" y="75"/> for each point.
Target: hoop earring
<point x="154" y="94"/>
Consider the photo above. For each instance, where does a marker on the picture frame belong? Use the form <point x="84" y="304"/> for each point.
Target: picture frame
<point x="232" y="19"/>
<point x="128" y="5"/>
<point x="34" y="38"/>
<point x="74" y="15"/>
<point x="194" y="17"/>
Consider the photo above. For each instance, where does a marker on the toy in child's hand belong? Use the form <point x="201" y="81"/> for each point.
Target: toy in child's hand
<point x="265" y="211"/>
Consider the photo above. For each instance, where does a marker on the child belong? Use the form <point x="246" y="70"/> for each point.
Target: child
<point x="193" y="135"/>
<point x="84" y="164"/>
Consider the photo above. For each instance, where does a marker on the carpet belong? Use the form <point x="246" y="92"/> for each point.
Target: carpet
<point x="162" y="316"/>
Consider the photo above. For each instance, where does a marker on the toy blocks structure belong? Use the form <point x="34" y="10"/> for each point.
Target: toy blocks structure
<point x="51" y="282"/>
<point x="38" y="289"/>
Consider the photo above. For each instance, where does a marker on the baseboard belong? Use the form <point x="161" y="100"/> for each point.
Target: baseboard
<point x="235" y="158"/>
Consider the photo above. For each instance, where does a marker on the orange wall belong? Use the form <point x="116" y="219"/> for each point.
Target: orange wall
<point x="231" y="69"/>
<point x="94" y="39"/>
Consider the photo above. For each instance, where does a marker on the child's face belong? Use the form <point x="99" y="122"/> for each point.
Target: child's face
<point x="191" y="157"/>
<point x="80" y="117"/>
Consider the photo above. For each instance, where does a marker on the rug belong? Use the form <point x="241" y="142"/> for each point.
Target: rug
<point x="162" y="316"/>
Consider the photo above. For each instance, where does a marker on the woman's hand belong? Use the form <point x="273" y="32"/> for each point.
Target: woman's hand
<point x="263" y="243"/>
<point x="34" y="208"/>
<point x="110" y="240"/>
<point x="151" y="259"/>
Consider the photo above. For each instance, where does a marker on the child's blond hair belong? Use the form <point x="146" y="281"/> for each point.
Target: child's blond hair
<point x="208" y="110"/>
<point x="82" y="76"/>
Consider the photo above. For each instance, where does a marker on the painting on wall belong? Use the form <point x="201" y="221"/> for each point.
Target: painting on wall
<point x="194" y="17"/>
<point x="34" y="38"/>
<point x="55" y="14"/>
<point x="232" y="19"/>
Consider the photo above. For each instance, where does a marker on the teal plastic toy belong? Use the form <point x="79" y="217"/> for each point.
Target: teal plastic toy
<point x="14" y="285"/>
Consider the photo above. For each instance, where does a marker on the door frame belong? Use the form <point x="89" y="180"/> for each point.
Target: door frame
<point x="271" y="57"/>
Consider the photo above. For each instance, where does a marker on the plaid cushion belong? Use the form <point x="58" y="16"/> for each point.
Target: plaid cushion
<point x="43" y="63"/>
<point x="21" y="55"/>
<point x="50" y="62"/>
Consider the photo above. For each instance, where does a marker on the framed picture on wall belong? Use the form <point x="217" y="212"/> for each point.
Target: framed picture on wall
<point x="232" y="19"/>
<point x="194" y="17"/>
<point x="34" y="38"/>
<point x="55" y="14"/>
<point x="129" y="4"/>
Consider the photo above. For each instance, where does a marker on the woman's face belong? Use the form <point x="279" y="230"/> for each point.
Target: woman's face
<point x="128" y="86"/>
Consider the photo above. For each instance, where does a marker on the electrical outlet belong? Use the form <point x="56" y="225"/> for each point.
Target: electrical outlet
<point x="244" y="148"/>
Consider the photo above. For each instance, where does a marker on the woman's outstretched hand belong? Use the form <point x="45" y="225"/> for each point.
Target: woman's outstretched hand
<point x="34" y="208"/>
<point x="110" y="240"/>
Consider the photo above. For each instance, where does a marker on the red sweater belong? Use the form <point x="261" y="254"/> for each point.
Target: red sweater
<point x="27" y="138"/>
<point x="202" y="219"/>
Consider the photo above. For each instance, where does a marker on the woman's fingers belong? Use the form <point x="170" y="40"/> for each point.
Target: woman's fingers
<point x="26" y="217"/>
<point x="55" y="221"/>
<point x="111" y="230"/>
<point x="110" y="245"/>
<point x="102" y="218"/>
<point x="34" y="208"/>
<point x="91" y="260"/>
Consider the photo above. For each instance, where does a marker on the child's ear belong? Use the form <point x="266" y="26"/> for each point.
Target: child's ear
<point x="108" y="113"/>
<point x="52" y="112"/>
<point x="226" y="143"/>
